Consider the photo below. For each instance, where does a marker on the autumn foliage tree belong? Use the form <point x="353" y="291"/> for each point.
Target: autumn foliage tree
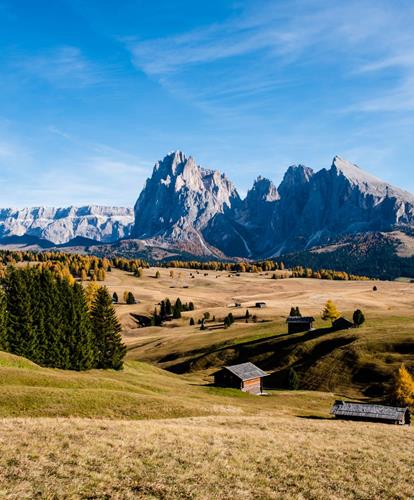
<point x="404" y="387"/>
<point x="330" y="312"/>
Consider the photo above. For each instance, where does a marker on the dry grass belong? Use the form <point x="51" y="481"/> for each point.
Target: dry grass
<point x="204" y="458"/>
<point x="147" y="433"/>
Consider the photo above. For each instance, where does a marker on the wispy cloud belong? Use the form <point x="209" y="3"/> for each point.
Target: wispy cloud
<point x="248" y="55"/>
<point x="64" y="67"/>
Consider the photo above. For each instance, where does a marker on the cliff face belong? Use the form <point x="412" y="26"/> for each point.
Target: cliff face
<point x="179" y="201"/>
<point x="199" y="210"/>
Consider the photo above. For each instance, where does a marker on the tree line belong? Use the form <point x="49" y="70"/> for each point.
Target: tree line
<point x="49" y="320"/>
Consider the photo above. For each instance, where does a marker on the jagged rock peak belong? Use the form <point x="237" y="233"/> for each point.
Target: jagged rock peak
<point x="295" y="178"/>
<point x="366" y="182"/>
<point x="181" y="197"/>
<point x="263" y="189"/>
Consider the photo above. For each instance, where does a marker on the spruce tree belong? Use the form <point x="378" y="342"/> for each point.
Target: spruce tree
<point x="106" y="329"/>
<point x="20" y="332"/>
<point x="82" y="351"/>
<point x="4" y="345"/>
<point x="358" y="317"/>
<point x="115" y="298"/>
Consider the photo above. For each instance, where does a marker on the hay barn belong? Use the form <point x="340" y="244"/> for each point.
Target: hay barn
<point x="247" y="377"/>
<point x="371" y="413"/>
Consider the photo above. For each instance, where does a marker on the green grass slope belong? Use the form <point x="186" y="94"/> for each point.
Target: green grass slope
<point x="140" y="391"/>
<point x="353" y="363"/>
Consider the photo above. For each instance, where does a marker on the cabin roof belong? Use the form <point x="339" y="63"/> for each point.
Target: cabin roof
<point x="246" y="371"/>
<point x="300" y="319"/>
<point x="368" y="411"/>
<point x="343" y="321"/>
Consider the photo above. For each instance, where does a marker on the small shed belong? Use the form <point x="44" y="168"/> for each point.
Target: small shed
<point x="247" y="377"/>
<point x="260" y="305"/>
<point x="298" y="324"/>
<point x="371" y="413"/>
<point x="342" y="324"/>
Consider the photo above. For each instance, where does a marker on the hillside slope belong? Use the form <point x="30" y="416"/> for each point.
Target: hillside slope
<point x="140" y="391"/>
<point x="356" y="363"/>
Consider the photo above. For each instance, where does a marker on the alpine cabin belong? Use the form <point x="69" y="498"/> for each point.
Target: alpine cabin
<point x="346" y="410"/>
<point x="342" y="324"/>
<point x="247" y="377"/>
<point x="298" y="324"/>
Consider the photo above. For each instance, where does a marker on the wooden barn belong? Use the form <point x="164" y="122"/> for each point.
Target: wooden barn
<point x="346" y="410"/>
<point x="298" y="324"/>
<point x="247" y="377"/>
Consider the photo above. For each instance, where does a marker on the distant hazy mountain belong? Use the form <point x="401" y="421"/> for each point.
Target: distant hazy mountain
<point x="60" y="225"/>
<point x="198" y="211"/>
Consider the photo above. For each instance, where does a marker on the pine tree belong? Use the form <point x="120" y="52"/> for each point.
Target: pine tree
<point x="115" y="298"/>
<point x="178" y="307"/>
<point x="192" y="322"/>
<point x="82" y="351"/>
<point x="330" y="312"/>
<point x="168" y="307"/>
<point x="4" y="345"/>
<point x="157" y="275"/>
<point x="106" y="329"/>
<point x="404" y="387"/>
<point x="20" y="332"/>
<point x="130" y="298"/>
<point x="359" y="317"/>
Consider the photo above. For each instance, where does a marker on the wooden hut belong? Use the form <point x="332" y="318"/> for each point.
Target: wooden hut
<point x="342" y="324"/>
<point x="297" y="324"/>
<point x="371" y="413"/>
<point x="247" y="377"/>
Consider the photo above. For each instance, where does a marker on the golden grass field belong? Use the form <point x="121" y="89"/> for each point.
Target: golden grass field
<point x="147" y="433"/>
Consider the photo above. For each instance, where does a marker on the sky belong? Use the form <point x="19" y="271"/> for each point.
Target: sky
<point x="94" y="92"/>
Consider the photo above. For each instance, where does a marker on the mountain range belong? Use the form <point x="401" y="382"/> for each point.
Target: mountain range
<point x="199" y="211"/>
<point x="187" y="210"/>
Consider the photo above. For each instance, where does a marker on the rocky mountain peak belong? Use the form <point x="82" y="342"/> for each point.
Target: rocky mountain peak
<point x="295" y="178"/>
<point x="263" y="189"/>
<point x="180" y="198"/>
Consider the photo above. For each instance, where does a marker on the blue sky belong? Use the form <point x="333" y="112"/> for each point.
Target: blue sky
<point x="93" y="93"/>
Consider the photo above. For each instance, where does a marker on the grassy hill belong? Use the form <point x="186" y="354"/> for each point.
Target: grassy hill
<point x="358" y="363"/>
<point x="148" y="433"/>
<point x="140" y="391"/>
<point x="225" y="445"/>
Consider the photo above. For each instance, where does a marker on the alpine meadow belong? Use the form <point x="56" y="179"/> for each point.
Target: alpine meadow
<point x="206" y="250"/>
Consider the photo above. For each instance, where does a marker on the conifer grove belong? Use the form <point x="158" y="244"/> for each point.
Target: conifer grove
<point x="45" y="318"/>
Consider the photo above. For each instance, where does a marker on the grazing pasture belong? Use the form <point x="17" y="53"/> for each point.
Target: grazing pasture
<point x="159" y="428"/>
